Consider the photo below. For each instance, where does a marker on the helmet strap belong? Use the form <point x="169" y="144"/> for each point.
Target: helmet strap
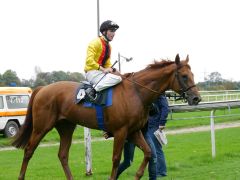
<point x="105" y="36"/>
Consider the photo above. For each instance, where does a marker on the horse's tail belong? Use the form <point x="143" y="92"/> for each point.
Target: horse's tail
<point x="23" y="136"/>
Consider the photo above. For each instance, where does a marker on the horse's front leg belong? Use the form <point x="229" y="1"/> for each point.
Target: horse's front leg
<point x="119" y="140"/>
<point x="138" y="139"/>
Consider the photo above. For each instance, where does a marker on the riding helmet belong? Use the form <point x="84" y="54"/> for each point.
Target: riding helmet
<point x="108" y="25"/>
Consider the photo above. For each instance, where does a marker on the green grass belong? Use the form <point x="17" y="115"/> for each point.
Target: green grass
<point x="175" y="121"/>
<point x="188" y="157"/>
<point x="53" y="136"/>
<point x="192" y="159"/>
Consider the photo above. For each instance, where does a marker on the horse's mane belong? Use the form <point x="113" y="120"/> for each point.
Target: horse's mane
<point x="155" y="65"/>
<point x="160" y="64"/>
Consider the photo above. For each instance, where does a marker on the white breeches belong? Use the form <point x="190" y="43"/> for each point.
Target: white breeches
<point x="107" y="81"/>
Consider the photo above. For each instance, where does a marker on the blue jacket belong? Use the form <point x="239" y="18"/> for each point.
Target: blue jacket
<point x="160" y="117"/>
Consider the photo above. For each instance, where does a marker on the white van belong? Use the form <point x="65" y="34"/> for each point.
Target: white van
<point x="13" y="108"/>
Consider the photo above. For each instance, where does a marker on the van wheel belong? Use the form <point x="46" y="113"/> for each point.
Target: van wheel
<point x="11" y="129"/>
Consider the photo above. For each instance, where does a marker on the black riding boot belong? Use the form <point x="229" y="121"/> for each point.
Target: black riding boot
<point x="91" y="93"/>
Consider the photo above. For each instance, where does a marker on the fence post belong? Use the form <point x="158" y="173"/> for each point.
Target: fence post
<point x="88" y="151"/>
<point x="213" y="134"/>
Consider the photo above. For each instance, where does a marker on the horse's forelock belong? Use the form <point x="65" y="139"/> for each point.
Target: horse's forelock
<point x="185" y="63"/>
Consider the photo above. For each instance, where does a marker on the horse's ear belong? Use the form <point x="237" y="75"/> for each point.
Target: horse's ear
<point x="187" y="58"/>
<point x="177" y="59"/>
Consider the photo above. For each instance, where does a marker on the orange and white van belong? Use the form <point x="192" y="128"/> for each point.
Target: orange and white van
<point x="13" y="108"/>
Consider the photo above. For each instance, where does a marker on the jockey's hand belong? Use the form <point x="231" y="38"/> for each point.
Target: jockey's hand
<point x="107" y="70"/>
<point x="107" y="135"/>
<point x="117" y="73"/>
<point x="162" y="127"/>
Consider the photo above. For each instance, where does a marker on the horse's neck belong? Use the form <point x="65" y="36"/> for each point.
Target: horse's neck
<point x="153" y="82"/>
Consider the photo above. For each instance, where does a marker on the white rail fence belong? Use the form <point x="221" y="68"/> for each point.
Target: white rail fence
<point x="212" y="107"/>
<point x="207" y="106"/>
<point x="215" y="96"/>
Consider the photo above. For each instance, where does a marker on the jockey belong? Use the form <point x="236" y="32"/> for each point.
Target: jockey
<point x="98" y="66"/>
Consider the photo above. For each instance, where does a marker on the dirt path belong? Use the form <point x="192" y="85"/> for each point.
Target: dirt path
<point x="176" y="131"/>
<point x="204" y="128"/>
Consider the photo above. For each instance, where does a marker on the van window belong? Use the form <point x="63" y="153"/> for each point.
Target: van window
<point x="17" y="101"/>
<point x="1" y="102"/>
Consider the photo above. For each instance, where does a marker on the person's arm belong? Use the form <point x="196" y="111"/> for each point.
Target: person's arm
<point x="163" y="107"/>
<point x="91" y="63"/>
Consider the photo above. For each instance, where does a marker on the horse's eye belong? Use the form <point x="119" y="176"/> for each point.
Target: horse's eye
<point x="185" y="78"/>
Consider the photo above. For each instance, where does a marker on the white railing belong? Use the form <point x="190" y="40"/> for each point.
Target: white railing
<point x="211" y="106"/>
<point x="221" y="95"/>
<point x="213" y="96"/>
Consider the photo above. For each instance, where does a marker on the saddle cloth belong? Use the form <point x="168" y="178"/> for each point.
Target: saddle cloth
<point x="104" y="99"/>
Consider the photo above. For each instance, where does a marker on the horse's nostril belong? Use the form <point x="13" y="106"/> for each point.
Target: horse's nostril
<point x="196" y="100"/>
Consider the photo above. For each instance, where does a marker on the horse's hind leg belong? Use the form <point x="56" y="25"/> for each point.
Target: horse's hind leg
<point x="65" y="130"/>
<point x="138" y="139"/>
<point x="29" y="150"/>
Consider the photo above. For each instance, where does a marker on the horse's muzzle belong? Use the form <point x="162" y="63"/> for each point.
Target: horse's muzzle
<point x="194" y="100"/>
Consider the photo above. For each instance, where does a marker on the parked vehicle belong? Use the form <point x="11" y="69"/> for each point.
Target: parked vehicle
<point x="13" y="108"/>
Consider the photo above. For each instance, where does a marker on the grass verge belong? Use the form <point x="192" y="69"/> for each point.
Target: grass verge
<point x="188" y="157"/>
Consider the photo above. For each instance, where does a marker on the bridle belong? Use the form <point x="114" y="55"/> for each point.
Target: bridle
<point x="183" y="91"/>
<point x="184" y="88"/>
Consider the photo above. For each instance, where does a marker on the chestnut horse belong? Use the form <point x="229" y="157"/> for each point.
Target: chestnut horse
<point x="53" y="106"/>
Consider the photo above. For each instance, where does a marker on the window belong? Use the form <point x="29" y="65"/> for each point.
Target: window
<point x="17" y="101"/>
<point x="1" y="102"/>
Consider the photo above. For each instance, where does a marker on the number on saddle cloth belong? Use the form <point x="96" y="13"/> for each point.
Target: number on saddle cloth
<point x="80" y="93"/>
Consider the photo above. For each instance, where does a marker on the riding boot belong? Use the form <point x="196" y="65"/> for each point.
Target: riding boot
<point x="91" y="93"/>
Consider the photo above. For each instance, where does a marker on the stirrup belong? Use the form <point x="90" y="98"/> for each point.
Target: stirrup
<point x="91" y="93"/>
<point x="93" y="98"/>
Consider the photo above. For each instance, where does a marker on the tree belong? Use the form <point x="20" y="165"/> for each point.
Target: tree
<point x="58" y="76"/>
<point x="37" y="70"/>
<point x="27" y="83"/>
<point x="39" y="82"/>
<point x="44" y="77"/>
<point x="76" y="77"/>
<point x="215" y="77"/>
<point x="1" y="80"/>
<point x="10" y="77"/>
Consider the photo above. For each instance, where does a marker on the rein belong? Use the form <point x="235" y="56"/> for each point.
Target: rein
<point x="135" y="82"/>
<point x="180" y="80"/>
